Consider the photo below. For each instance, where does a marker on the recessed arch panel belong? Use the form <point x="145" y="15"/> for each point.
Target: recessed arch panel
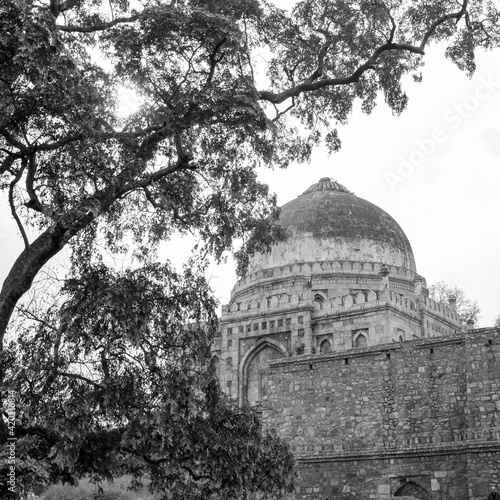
<point x="254" y="370"/>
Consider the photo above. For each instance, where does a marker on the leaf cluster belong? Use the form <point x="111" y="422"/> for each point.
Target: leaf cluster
<point x="467" y="309"/>
<point x="118" y="379"/>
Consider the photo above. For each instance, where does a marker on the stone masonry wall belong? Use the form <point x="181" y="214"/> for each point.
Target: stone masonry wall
<point x="368" y="423"/>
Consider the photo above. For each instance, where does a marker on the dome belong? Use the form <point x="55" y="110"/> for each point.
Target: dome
<point x="328" y="222"/>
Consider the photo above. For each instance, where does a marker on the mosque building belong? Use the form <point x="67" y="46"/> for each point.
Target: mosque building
<point x="333" y="338"/>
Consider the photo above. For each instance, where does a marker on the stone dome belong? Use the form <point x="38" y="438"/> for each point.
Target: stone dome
<point x="328" y="223"/>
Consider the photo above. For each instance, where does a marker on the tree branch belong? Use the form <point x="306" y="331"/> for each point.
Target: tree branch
<point x="214" y="60"/>
<point x="309" y="85"/>
<point x="441" y="20"/>
<point x="34" y="202"/>
<point x="99" y="27"/>
<point x="8" y="162"/>
<point x="13" y="207"/>
<point x="13" y="141"/>
<point x="79" y="377"/>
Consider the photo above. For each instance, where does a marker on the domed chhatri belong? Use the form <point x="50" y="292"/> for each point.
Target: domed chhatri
<point x="328" y="223"/>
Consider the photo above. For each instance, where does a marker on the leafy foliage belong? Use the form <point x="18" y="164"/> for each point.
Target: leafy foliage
<point x="467" y="309"/>
<point x="119" y="380"/>
<point x="496" y="321"/>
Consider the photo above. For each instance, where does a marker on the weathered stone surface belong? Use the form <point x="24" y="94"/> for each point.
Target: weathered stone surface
<point x="332" y="336"/>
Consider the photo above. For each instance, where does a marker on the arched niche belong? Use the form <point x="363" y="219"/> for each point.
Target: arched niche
<point x="360" y="340"/>
<point x="318" y="301"/>
<point x="325" y="346"/>
<point x="254" y="370"/>
<point x="411" y="489"/>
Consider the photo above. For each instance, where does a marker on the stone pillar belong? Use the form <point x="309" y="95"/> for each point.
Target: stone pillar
<point x="452" y="301"/>
<point x="417" y="283"/>
<point x="384" y="276"/>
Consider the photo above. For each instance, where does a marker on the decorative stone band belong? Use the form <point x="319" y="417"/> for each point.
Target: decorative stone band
<point x="421" y="343"/>
<point x="324" y="268"/>
<point x="487" y="441"/>
<point x="340" y="305"/>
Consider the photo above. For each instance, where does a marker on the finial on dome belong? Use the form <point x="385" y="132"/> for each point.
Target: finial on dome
<point x="326" y="184"/>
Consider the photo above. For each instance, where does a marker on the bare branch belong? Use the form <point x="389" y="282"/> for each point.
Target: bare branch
<point x="279" y="114"/>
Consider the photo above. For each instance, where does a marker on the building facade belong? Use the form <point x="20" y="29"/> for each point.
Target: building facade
<point x="333" y="338"/>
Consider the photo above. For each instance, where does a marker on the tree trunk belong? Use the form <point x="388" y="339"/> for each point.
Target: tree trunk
<point x="25" y="269"/>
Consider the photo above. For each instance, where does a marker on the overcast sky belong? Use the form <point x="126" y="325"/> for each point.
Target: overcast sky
<point x="435" y="169"/>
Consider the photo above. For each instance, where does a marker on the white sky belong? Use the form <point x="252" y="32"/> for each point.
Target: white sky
<point x="448" y="206"/>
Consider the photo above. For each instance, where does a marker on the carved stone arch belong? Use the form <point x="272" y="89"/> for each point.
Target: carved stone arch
<point x="284" y="299"/>
<point x="372" y="296"/>
<point x="348" y="301"/>
<point x="274" y="348"/>
<point x="316" y="268"/>
<point x="356" y="266"/>
<point x="318" y="301"/>
<point x="337" y="302"/>
<point x="360" y="338"/>
<point x="411" y="489"/>
<point x="360" y="298"/>
<point x="325" y="346"/>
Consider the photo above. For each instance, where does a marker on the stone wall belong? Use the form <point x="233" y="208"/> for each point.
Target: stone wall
<point x="420" y="417"/>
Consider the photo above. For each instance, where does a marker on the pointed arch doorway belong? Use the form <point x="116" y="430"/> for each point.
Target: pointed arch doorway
<point x="254" y="372"/>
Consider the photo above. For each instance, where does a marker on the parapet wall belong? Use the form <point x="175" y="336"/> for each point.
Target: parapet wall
<point x="405" y="409"/>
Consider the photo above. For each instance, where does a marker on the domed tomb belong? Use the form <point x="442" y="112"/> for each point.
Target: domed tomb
<point x="329" y="223"/>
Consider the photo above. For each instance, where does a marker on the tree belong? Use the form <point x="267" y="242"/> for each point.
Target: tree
<point x="118" y="379"/>
<point x="496" y="321"/>
<point x="82" y="176"/>
<point x="467" y="309"/>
